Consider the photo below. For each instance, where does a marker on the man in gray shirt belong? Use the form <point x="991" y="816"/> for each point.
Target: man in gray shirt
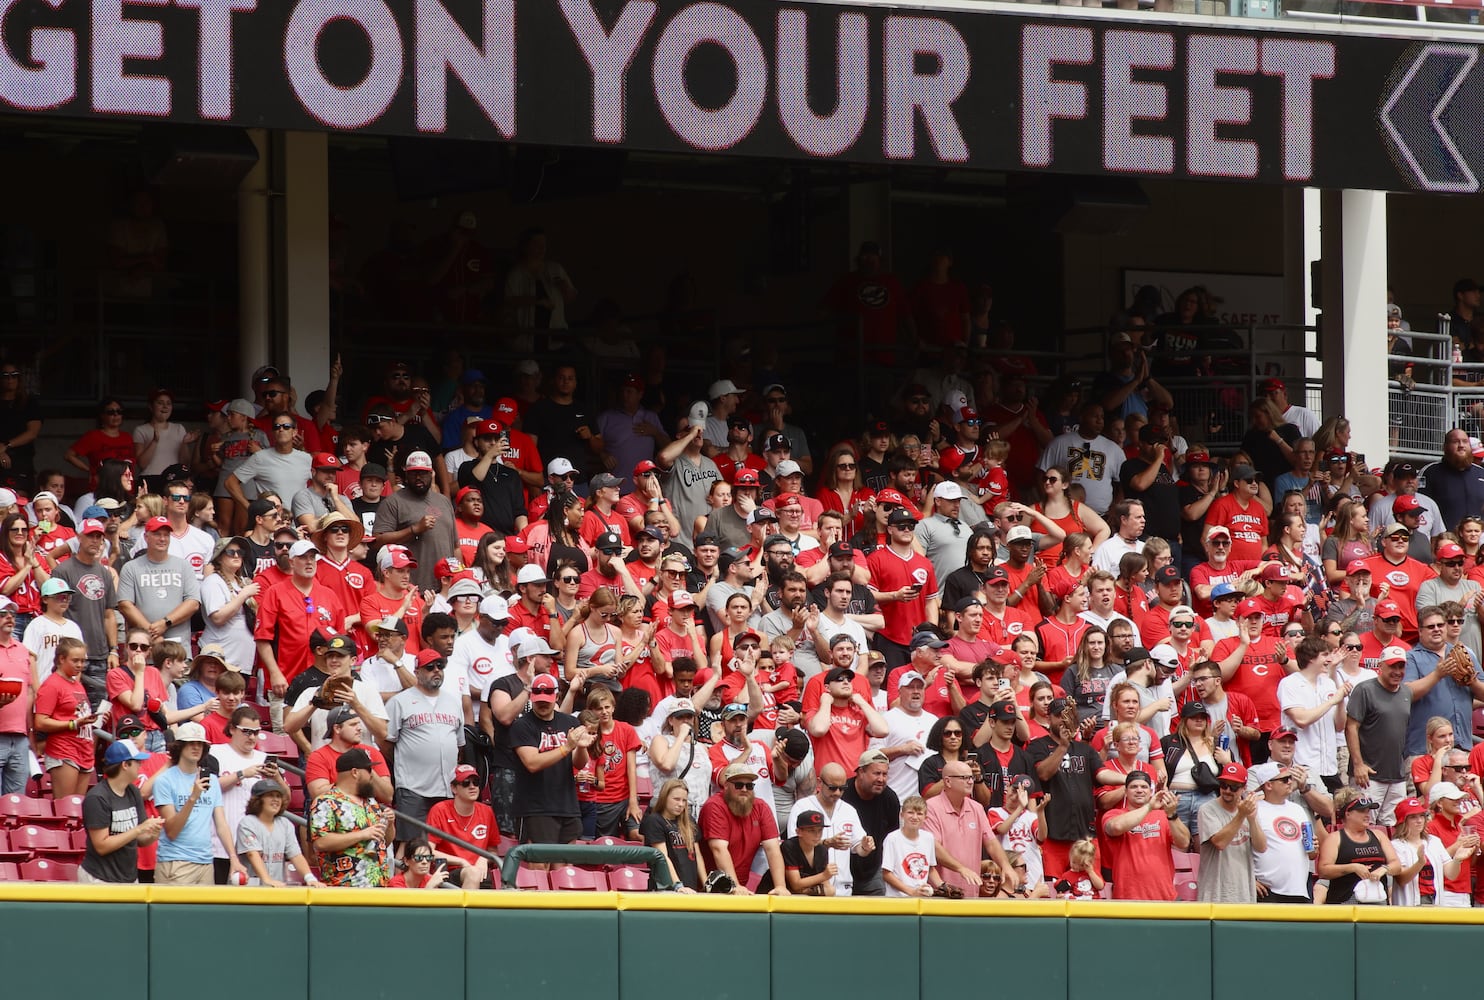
<point x="688" y="477"/>
<point x="281" y="469"/>
<point x="1230" y="835"/>
<point x="1376" y="729"/>
<point x="425" y="724"/>
<point x="943" y="535"/>
<point x="422" y="519"/>
<point x="94" y="597"/>
<point x="159" y="592"/>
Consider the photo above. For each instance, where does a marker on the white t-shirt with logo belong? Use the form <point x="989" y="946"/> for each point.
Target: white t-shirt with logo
<point x="901" y="775"/>
<point x="1284" y="866"/>
<point x="476" y="664"/>
<point x="909" y="860"/>
<point x="195" y="547"/>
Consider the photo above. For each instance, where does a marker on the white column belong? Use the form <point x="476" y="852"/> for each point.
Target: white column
<point x="254" y="266"/>
<point x="1353" y="236"/>
<point x="303" y="299"/>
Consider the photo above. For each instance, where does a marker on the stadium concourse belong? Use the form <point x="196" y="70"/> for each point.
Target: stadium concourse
<point x="991" y="644"/>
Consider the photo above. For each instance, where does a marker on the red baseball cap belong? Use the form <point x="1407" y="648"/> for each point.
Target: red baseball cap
<point x="1405" y="504"/>
<point x="1356" y="566"/>
<point x="1407" y="808"/>
<point x="217" y="406"/>
<point x="1234" y="772"/>
<point x="1250" y="607"/>
<point x="157" y="524"/>
<point x="325" y="460"/>
<point x="1388" y="609"/>
<point x="1273" y="571"/>
<point x="951" y="459"/>
<point x="458" y="497"/>
<point x="891" y="496"/>
<point x="507" y="407"/>
<point x="1450" y="550"/>
<point x="463" y="773"/>
<point x="643" y="467"/>
<point x="967" y="413"/>
<point x="516" y="544"/>
<point x="427" y="655"/>
<point x="397" y="557"/>
<point x="446" y="567"/>
<point x="489" y="428"/>
<point x="746" y="477"/>
<point x="91" y="526"/>
<point x="1269" y="385"/>
<point x="787" y="500"/>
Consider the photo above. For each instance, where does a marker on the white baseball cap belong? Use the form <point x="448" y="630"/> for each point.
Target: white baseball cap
<point x="302" y="547"/>
<point x="531" y="573"/>
<point x="948" y="490"/>
<point x="559" y="467"/>
<point x="722" y="387"/>
<point x="496" y="607"/>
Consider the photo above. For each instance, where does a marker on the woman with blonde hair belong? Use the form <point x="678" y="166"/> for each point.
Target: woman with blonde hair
<point x="1432" y="767"/>
<point x="591" y="636"/>
<point x="1070" y="515"/>
<point x="1349" y="540"/>
<point x="670" y="828"/>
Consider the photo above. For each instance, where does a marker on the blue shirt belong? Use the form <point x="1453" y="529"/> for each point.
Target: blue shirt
<point x="173" y="788"/>
<point x="453" y="424"/>
<point x="1448" y="699"/>
<point x="191" y="694"/>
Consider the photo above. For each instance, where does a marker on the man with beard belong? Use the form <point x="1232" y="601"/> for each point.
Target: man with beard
<point x="348" y="831"/>
<point x="551" y="747"/>
<point x="778" y="562"/>
<point x="733" y="829"/>
<point x="608" y="570"/>
<point x="842" y="826"/>
<point x="793" y="619"/>
<point x="1067" y="769"/>
<point x="729" y="523"/>
<point x="420" y="519"/>
<point x="1455" y="482"/>
<point x="497" y="482"/>
<point x="425" y="727"/>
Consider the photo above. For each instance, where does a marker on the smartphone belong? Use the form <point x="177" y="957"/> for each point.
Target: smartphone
<point x="1004" y="684"/>
<point x="104" y="707"/>
<point x="971" y="755"/>
<point x="1062" y="885"/>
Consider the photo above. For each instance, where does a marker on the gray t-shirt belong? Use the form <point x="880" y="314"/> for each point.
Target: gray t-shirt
<point x="158" y="588"/>
<point x="728" y="526"/>
<point x="428" y="730"/>
<point x="686" y="487"/>
<point x="401" y="510"/>
<point x="93" y="594"/>
<point x="307" y="501"/>
<point x="1226" y="876"/>
<point x="945" y="545"/>
<point x="275" y="843"/>
<point x="1383" y="716"/>
<point x="270" y="471"/>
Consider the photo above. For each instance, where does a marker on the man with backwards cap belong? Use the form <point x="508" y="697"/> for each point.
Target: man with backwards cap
<point x="347" y="829"/>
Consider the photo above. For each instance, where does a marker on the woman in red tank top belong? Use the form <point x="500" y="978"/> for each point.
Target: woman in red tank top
<point x="1068" y="514"/>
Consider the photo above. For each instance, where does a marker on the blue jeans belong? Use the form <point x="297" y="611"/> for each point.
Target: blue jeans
<point x="13" y="755"/>
<point x="154" y="741"/>
<point x="1188" y="808"/>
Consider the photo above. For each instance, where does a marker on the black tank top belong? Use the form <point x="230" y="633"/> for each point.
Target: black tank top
<point x="1367" y="852"/>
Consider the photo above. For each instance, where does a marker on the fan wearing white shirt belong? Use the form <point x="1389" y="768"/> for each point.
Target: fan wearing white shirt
<point x="905" y="742"/>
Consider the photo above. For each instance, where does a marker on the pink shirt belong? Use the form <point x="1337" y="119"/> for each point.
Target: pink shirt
<point x="961" y="833"/>
<point x="15" y="661"/>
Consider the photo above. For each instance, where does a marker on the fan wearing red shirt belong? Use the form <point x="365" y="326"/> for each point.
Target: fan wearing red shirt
<point x="335" y="536"/>
<point x="1253" y="663"/>
<point x="1141" y="834"/>
<point x="64" y="717"/>
<point x="1241" y="513"/>
<point x="1281" y="602"/>
<point x="842" y="654"/>
<point x="468" y="522"/>
<point x="734" y="827"/>
<point x="468" y="819"/>
<point x="842" y="726"/>
<point x="926" y="663"/>
<point x="1218" y="568"/>
<point x="1398" y="576"/>
<point x="602" y="514"/>
<point x="395" y="596"/>
<point x="904" y="584"/>
<point x="1386" y="625"/>
<point x="346" y="732"/>
<point x="1003" y="623"/>
<point x="1169" y="595"/>
<point x="289" y="613"/>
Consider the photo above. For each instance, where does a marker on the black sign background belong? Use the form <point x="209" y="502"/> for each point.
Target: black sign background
<point x="991" y="122"/>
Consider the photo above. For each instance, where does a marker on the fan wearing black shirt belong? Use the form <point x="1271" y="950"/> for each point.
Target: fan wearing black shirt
<point x="550" y="746"/>
<point x="880" y="812"/>
<point x="1067" y="768"/>
<point x="395" y="441"/>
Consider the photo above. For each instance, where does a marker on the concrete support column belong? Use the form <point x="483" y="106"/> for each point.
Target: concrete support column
<point x="1353" y="282"/>
<point x="302" y="259"/>
<point x="254" y="265"/>
<point x="870" y="219"/>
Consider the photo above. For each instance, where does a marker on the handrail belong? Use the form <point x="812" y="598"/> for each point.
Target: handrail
<point x="589" y="854"/>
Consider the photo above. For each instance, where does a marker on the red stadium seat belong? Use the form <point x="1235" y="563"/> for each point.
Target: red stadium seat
<point x="609" y="842"/>
<point x="278" y="743"/>
<point x="1185" y="889"/>
<point x="753" y="879"/>
<point x="42" y="870"/>
<point x="10" y="871"/>
<point x="645" y="788"/>
<point x="575" y="879"/>
<point x="531" y="878"/>
<point x="496" y="880"/>
<point x="9" y="854"/>
<point x="69" y="811"/>
<point x="17" y="810"/>
<point x="628" y="878"/>
<point x="41" y="842"/>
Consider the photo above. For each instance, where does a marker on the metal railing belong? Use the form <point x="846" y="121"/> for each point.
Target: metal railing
<point x="1429" y="394"/>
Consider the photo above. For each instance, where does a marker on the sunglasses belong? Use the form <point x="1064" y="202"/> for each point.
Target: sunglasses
<point x="569" y="579"/>
<point x="746" y="646"/>
<point x="1182" y="624"/>
<point x="1220" y="541"/>
<point x="340" y="529"/>
<point x="254" y="731"/>
<point x="1231" y="786"/>
<point x="139" y="647"/>
<point x="180" y="497"/>
<point x="743" y="786"/>
<point x="846" y="465"/>
<point x="1453" y="563"/>
<point x="1353" y="647"/>
<point x="422" y="857"/>
<point x="283" y="545"/>
<point x="377" y="418"/>
<point x="283" y="427"/>
<point x="113" y="411"/>
<point x="466" y="783"/>
<point x="1392" y="620"/>
<point x="826" y="784"/>
<point x="1455" y="621"/>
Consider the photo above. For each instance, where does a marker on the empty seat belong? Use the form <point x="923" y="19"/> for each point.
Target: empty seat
<point x="42" y="842"/>
<point x="571" y="878"/>
<point x="278" y="743"/>
<point x="20" y="810"/>
<point x="8" y="853"/>
<point x="628" y="878"/>
<point x="10" y="871"/>
<point x="42" y="870"/>
<point x="69" y="811"/>
<point x="531" y="878"/>
<point x="1185" y="889"/>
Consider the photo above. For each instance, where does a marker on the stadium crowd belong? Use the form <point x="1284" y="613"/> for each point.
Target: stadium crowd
<point x="988" y="647"/>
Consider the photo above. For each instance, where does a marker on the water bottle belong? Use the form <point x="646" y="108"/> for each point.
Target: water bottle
<point x="1308" y="835"/>
<point x="1457" y="354"/>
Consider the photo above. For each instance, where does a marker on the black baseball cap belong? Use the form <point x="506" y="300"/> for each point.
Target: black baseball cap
<point x="352" y="759"/>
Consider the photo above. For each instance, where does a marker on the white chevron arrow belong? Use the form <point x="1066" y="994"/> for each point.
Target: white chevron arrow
<point x="1412" y="118"/>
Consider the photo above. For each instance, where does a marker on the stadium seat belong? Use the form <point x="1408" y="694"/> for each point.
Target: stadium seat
<point x="507" y="844"/>
<point x="645" y="787"/>
<point x="531" y="878"/>
<point x="496" y="881"/>
<point x="753" y="878"/>
<point x="1185" y="889"/>
<point x="278" y="743"/>
<point x="1187" y="864"/>
<point x="265" y="717"/>
<point x="42" y="870"/>
<point x="41" y="842"/>
<point x="628" y="878"/>
<point x="10" y="871"/>
<point x="1479" y="722"/>
<point x="16" y="810"/>
<point x="69" y="811"/>
<point x="609" y="842"/>
<point x="571" y="879"/>
<point x="9" y="854"/>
